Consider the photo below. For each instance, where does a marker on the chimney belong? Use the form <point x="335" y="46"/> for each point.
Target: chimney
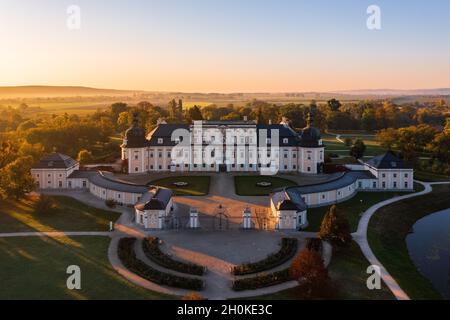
<point x="245" y="118"/>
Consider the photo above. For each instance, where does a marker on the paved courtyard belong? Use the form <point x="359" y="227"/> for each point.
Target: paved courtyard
<point x="222" y="193"/>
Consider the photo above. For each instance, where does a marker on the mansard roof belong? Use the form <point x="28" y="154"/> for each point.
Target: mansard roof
<point x="55" y="161"/>
<point x="388" y="161"/>
<point x="164" y="132"/>
<point x="309" y="137"/>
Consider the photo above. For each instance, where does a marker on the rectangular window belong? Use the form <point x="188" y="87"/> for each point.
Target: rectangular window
<point x="406" y="185"/>
<point x="395" y="184"/>
<point x="60" y="184"/>
<point x="395" y="175"/>
<point x="136" y="169"/>
<point x="406" y="175"/>
<point x="383" y="185"/>
<point x="84" y="184"/>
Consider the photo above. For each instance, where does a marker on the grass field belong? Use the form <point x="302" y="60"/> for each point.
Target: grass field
<point x="69" y="215"/>
<point x="387" y="232"/>
<point x="35" y="268"/>
<point x="347" y="271"/>
<point x="198" y="185"/>
<point x="352" y="208"/>
<point x="246" y="185"/>
<point x="430" y="176"/>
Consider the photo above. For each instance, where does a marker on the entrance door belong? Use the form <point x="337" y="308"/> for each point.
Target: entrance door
<point x="223" y="168"/>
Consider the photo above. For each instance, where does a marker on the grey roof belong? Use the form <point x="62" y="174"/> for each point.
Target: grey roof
<point x="100" y="179"/>
<point x="55" y="161"/>
<point x="283" y="201"/>
<point x="156" y="198"/>
<point x="342" y="181"/>
<point x="288" y="204"/>
<point x="309" y="137"/>
<point x="388" y="161"/>
<point x="165" y="131"/>
<point x="82" y="174"/>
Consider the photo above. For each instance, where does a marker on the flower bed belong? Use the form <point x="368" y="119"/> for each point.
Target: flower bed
<point x="151" y="249"/>
<point x="262" y="281"/>
<point x="131" y="262"/>
<point x="287" y="251"/>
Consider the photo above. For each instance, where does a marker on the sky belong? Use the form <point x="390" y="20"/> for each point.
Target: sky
<point x="226" y="45"/>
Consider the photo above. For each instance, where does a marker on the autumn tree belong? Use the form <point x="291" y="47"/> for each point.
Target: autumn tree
<point x="357" y="150"/>
<point x="85" y="157"/>
<point x="194" y="114"/>
<point x="312" y="275"/>
<point x="16" y="179"/>
<point x="334" y="104"/>
<point x="335" y="228"/>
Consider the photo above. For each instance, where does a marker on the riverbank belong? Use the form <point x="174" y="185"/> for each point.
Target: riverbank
<point x="387" y="234"/>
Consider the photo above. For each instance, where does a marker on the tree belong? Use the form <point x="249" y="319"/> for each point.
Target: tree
<point x="16" y="179"/>
<point x="312" y="275"/>
<point x="124" y="121"/>
<point x="85" y="156"/>
<point x="194" y="114"/>
<point x="348" y="141"/>
<point x="358" y="149"/>
<point x="335" y="228"/>
<point x="334" y="104"/>
<point x="116" y="109"/>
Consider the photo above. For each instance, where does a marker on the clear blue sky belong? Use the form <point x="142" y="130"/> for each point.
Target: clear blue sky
<point x="226" y="45"/>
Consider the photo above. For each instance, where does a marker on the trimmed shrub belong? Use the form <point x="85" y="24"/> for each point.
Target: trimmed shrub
<point x="44" y="204"/>
<point x="151" y="249"/>
<point x="262" y="281"/>
<point x="287" y="251"/>
<point x="131" y="262"/>
<point x="110" y="203"/>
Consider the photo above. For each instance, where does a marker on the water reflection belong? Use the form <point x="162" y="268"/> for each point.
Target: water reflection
<point x="429" y="248"/>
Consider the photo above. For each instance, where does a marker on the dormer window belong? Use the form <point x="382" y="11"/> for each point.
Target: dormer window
<point x="285" y="140"/>
<point x="160" y="140"/>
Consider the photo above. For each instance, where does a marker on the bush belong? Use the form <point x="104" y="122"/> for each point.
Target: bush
<point x="45" y="204"/>
<point x="110" y="203"/>
<point x="131" y="262"/>
<point x="152" y="251"/>
<point x="193" y="296"/>
<point x="287" y="251"/>
<point x="262" y="281"/>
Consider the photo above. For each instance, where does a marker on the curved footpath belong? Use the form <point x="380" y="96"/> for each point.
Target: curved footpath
<point x="360" y="236"/>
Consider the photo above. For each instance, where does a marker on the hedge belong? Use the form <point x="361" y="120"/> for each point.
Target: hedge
<point x="262" y="281"/>
<point x="287" y="251"/>
<point x="151" y="249"/>
<point x="131" y="262"/>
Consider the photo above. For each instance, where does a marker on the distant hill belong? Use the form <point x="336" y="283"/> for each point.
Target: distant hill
<point x="56" y="91"/>
<point x="393" y="92"/>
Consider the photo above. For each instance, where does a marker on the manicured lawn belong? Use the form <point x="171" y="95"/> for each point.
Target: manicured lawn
<point x="69" y="215"/>
<point x="430" y="176"/>
<point x="352" y="208"/>
<point x="35" y="268"/>
<point x="347" y="271"/>
<point x="198" y="185"/>
<point x="388" y="229"/>
<point x="246" y="185"/>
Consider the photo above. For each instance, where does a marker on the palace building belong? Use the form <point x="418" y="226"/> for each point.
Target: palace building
<point x="224" y="146"/>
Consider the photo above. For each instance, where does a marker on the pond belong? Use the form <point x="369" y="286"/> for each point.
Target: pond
<point x="429" y="248"/>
